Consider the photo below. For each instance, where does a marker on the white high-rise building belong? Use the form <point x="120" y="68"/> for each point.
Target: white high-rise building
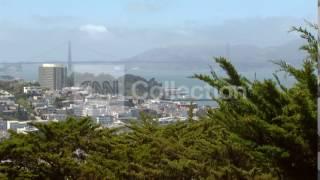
<point x="52" y="76"/>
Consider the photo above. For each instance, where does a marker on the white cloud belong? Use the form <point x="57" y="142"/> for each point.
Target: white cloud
<point x="93" y="29"/>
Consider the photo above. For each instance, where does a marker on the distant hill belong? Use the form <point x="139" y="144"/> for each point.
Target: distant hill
<point x="242" y="55"/>
<point x="125" y="82"/>
<point x="7" y="78"/>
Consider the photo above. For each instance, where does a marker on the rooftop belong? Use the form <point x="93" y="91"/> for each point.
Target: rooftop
<point x="52" y="65"/>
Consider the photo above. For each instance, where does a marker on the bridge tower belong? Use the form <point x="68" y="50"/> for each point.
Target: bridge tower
<point x="69" y="58"/>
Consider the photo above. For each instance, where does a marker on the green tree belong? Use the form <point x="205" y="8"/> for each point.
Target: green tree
<point x="54" y="151"/>
<point x="277" y="122"/>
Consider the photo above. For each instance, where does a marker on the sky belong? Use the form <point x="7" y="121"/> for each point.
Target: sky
<point x="146" y="13"/>
<point x="113" y="29"/>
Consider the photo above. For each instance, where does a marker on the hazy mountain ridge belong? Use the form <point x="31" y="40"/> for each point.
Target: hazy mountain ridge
<point x="239" y="54"/>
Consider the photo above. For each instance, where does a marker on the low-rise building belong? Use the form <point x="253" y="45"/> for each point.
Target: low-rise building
<point x="105" y="120"/>
<point x="32" y="90"/>
<point x="54" y="116"/>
